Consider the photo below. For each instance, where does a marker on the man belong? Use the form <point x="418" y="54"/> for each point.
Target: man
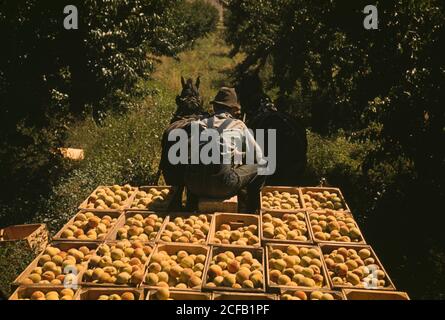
<point x="225" y="180"/>
<point x="190" y="108"/>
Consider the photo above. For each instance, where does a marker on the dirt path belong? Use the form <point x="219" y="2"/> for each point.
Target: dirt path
<point x="209" y="59"/>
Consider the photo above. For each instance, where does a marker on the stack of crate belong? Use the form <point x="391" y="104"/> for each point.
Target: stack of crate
<point x="34" y="237"/>
<point x="179" y="255"/>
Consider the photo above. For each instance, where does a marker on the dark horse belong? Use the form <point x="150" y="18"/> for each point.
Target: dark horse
<point x="190" y="108"/>
<point x="291" y="145"/>
<point x="291" y="134"/>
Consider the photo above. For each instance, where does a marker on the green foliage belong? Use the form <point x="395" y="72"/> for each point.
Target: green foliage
<point x="326" y="155"/>
<point x="126" y="148"/>
<point x="194" y="20"/>
<point x="383" y="88"/>
<point x="14" y="258"/>
<point x="123" y="149"/>
<point x="50" y="78"/>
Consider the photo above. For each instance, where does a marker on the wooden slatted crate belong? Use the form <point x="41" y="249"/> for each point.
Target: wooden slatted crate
<point x="218" y="205"/>
<point x="34" y="235"/>
<point x="257" y="253"/>
<point x="235" y="220"/>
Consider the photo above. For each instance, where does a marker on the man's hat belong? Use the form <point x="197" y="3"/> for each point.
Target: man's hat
<point x="227" y="97"/>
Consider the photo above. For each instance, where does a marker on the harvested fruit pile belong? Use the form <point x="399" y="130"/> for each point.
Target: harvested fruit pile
<point x="286" y="200"/>
<point x="242" y="236"/>
<point x="351" y="267"/>
<point x="193" y="229"/>
<point x="285" y="226"/>
<point x="313" y="295"/>
<point x="106" y="198"/>
<point x="124" y="296"/>
<point x="120" y="263"/>
<point x="335" y="226"/>
<point x="180" y="269"/>
<point x="88" y="226"/>
<point x="236" y="229"/>
<point x="327" y="199"/>
<point x="232" y="269"/>
<point x="294" y="266"/>
<point x="50" y="267"/>
<point x="123" y="245"/>
<point x="164" y="293"/>
<point x="139" y="228"/>
<point x="152" y="199"/>
<point x="41" y="294"/>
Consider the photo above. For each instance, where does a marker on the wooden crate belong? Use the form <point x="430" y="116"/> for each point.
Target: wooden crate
<point x="84" y="283"/>
<point x="291" y="190"/>
<point x="232" y="296"/>
<point x="173" y="215"/>
<point x="126" y="205"/>
<point x="71" y="153"/>
<point x="362" y="242"/>
<point x="338" y="295"/>
<point x="112" y="214"/>
<point x="95" y="293"/>
<point x="280" y="214"/>
<point x="357" y="294"/>
<point x="35" y="236"/>
<point x="235" y="220"/>
<point x="319" y="189"/>
<point x="160" y="208"/>
<point x="112" y="236"/>
<point x="63" y="246"/>
<point x="172" y="249"/>
<point x="257" y="253"/>
<point x="279" y="288"/>
<point x="328" y="248"/>
<point x="28" y="290"/>
<point x="183" y="295"/>
<point x="218" y="205"/>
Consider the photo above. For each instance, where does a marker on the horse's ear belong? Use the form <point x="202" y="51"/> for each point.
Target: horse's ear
<point x="198" y="82"/>
<point x="183" y="82"/>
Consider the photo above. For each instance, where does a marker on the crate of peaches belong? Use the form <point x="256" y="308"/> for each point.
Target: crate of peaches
<point x="363" y="294"/>
<point x="142" y="226"/>
<point x="165" y="293"/>
<point x="178" y="267"/>
<point x="234" y="229"/>
<point x="242" y="296"/>
<point x="113" y="198"/>
<point x="323" y="198"/>
<point x="117" y="264"/>
<point x="235" y="269"/>
<point x="111" y="294"/>
<point x="89" y="226"/>
<point x="152" y="199"/>
<point x="43" y="293"/>
<point x="356" y="266"/>
<point x="59" y="264"/>
<point x="185" y="228"/>
<point x="329" y="226"/>
<point x="285" y="227"/>
<point x="295" y="266"/>
<point x="281" y="198"/>
<point x="308" y="295"/>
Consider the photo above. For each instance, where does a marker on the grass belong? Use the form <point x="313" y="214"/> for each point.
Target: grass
<point x="14" y="258"/>
<point x="126" y="148"/>
<point x="208" y="59"/>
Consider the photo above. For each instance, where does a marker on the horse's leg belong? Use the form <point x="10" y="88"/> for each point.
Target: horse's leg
<point x="192" y="202"/>
<point x="176" y="203"/>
